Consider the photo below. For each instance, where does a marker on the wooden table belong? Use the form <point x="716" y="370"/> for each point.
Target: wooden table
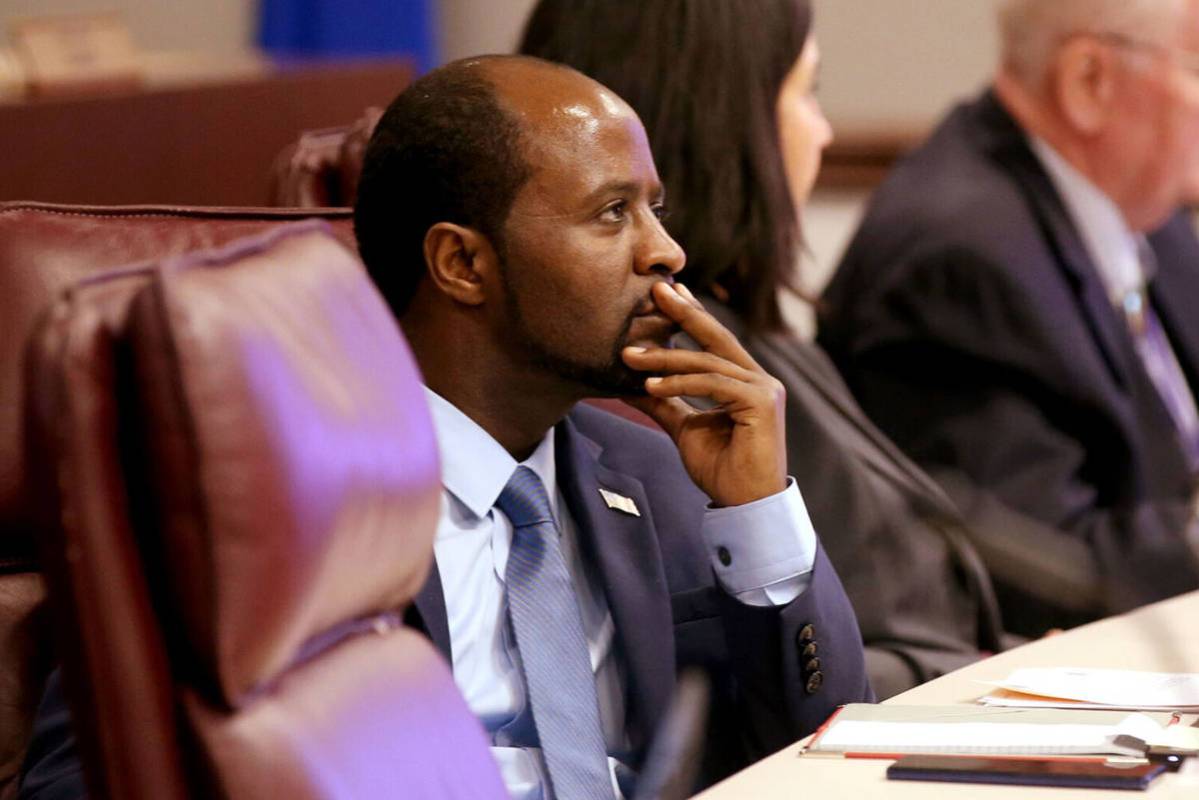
<point x="1163" y="637"/>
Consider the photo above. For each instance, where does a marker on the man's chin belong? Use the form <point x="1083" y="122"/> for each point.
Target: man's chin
<point x="631" y="384"/>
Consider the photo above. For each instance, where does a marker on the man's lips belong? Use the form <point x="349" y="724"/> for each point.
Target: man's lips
<point x="653" y="326"/>
<point x="647" y="308"/>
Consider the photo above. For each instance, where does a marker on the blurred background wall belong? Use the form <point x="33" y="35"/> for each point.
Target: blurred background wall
<point x="901" y="62"/>
<point x="223" y="26"/>
<point x="891" y="67"/>
<point x="887" y="62"/>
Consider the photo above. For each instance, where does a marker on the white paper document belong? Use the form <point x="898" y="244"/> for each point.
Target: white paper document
<point x="1073" y="687"/>
<point x="988" y="738"/>
<point x="861" y="729"/>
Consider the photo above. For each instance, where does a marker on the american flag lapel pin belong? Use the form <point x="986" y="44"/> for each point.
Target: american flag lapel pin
<point x="619" y="502"/>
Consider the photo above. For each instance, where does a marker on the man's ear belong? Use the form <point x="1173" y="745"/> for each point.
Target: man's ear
<point x="1084" y="77"/>
<point x="461" y="262"/>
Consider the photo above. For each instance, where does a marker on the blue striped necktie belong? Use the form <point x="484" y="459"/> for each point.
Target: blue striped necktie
<point x="545" y="617"/>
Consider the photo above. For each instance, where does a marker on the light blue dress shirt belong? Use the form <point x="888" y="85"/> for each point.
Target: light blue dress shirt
<point x="1112" y="246"/>
<point x="771" y="540"/>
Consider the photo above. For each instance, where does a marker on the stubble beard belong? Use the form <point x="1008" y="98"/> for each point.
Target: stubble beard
<point x="611" y="378"/>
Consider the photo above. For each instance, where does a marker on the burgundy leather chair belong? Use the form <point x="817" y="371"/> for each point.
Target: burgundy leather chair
<point x="232" y="475"/>
<point x="322" y="167"/>
<point x="43" y="248"/>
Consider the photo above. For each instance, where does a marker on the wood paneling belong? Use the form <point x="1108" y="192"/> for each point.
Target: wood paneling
<point x="210" y="144"/>
<point x="860" y="159"/>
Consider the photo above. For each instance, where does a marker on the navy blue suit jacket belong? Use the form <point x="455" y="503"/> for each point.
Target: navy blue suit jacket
<point x="973" y="327"/>
<point x="669" y="612"/>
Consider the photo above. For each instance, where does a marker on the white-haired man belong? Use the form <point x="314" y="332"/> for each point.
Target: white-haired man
<point x="1019" y="306"/>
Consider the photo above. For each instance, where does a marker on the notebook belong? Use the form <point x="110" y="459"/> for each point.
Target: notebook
<point x="862" y="729"/>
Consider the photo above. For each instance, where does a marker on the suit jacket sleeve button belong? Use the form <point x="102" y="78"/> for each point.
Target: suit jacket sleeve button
<point x="724" y="555"/>
<point x="806" y="634"/>
<point x="815" y="681"/>
<point x="809" y="650"/>
<point x="811" y="665"/>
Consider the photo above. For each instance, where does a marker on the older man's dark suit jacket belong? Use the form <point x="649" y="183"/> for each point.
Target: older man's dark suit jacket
<point x="973" y="327"/>
<point x="923" y="598"/>
<point x="669" y="612"/>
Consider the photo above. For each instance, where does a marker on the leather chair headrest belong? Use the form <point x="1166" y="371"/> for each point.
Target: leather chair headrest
<point x="322" y="167"/>
<point x="299" y="484"/>
<point x="45" y="247"/>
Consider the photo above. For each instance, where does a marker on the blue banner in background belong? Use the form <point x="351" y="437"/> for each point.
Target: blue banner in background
<point x="346" y="28"/>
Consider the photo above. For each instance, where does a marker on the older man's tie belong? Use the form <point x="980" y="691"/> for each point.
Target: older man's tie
<point x="1161" y="364"/>
<point x="545" y="617"/>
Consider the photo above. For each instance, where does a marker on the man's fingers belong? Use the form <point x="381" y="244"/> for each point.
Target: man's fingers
<point x="678" y="361"/>
<point x="685" y="292"/>
<point x="669" y="412"/>
<point x="700" y="325"/>
<point x="726" y="391"/>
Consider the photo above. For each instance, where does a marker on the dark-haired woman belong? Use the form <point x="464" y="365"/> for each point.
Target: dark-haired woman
<point x="726" y="91"/>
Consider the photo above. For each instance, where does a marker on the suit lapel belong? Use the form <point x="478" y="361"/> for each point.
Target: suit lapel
<point x="1108" y="328"/>
<point x="1173" y="287"/>
<point x="1170" y="293"/>
<point x="1008" y="145"/>
<point x="624" y="549"/>
<point x="430" y="614"/>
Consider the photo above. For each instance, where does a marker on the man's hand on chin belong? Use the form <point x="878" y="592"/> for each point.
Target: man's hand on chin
<point x="736" y="451"/>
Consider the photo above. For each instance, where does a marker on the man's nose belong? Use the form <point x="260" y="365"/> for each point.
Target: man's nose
<point x="659" y="253"/>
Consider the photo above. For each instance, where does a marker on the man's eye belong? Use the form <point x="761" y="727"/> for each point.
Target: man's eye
<point x="615" y="212"/>
<point x="660" y="211"/>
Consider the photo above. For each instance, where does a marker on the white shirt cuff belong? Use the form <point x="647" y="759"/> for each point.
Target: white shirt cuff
<point x="763" y="552"/>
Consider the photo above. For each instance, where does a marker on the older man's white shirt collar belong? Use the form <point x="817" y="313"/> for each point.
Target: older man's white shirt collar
<point x="1113" y="247"/>
<point x="475" y="467"/>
